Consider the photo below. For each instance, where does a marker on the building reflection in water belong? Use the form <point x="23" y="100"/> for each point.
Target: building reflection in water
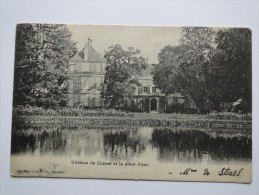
<point x="123" y="144"/>
<point x="83" y="142"/>
<point x="168" y="145"/>
<point x="51" y="142"/>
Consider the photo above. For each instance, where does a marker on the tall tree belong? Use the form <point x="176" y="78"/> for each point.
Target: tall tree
<point x="41" y="59"/>
<point x="237" y="70"/>
<point x="215" y="76"/>
<point x="26" y="64"/>
<point x="165" y="73"/>
<point x="198" y="41"/>
<point x="122" y="71"/>
<point x="183" y="67"/>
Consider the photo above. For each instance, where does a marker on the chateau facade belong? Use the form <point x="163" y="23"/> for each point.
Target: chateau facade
<point x="86" y="74"/>
<point x="148" y="98"/>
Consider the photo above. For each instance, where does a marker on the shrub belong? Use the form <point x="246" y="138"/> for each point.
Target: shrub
<point x="103" y="112"/>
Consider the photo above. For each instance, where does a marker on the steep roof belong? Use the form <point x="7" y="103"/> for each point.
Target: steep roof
<point x="79" y="57"/>
<point x="93" y="55"/>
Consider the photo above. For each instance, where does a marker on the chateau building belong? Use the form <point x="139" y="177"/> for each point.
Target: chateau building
<point x="86" y="74"/>
<point x="150" y="99"/>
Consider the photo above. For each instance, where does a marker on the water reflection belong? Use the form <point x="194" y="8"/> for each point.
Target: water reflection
<point x="23" y="142"/>
<point x="194" y="145"/>
<point x="167" y="145"/>
<point x="122" y="144"/>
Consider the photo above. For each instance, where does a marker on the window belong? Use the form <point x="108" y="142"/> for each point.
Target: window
<point x="175" y="101"/>
<point x="94" y="86"/>
<point x="146" y="90"/>
<point x="85" y="85"/>
<point x="76" y="85"/>
<point x="98" y="81"/>
<point x="89" y="102"/>
<point x="94" y="102"/>
<point x="102" y="67"/>
<point x="77" y="67"/>
<point x="153" y="90"/>
<point x="100" y="102"/>
<point x="76" y="99"/>
<point x="92" y="67"/>
<point x="140" y="90"/>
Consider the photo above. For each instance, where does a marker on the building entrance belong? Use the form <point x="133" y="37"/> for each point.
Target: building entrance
<point x="153" y="104"/>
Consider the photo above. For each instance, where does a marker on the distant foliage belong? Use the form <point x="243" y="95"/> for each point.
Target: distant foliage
<point x="42" y="53"/>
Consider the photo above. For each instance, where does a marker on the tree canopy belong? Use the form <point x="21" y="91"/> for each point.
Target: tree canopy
<point x="208" y="65"/>
<point x="181" y="68"/>
<point x="122" y="70"/>
<point x="165" y="74"/>
<point x="236" y="71"/>
<point x="42" y="53"/>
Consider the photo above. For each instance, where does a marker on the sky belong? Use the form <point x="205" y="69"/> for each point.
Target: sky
<point x="150" y="40"/>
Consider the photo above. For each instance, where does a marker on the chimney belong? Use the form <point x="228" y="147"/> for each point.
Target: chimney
<point x="90" y="41"/>
<point x="86" y="46"/>
<point x="85" y="50"/>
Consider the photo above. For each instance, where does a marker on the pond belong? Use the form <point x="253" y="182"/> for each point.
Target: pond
<point x="162" y="145"/>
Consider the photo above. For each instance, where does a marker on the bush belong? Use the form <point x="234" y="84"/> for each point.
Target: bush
<point x="228" y="116"/>
<point x="66" y="111"/>
<point x="137" y="113"/>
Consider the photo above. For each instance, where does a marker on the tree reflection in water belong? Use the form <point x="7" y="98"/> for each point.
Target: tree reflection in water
<point x="34" y="140"/>
<point x="195" y="146"/>
<point x="168" y="145"/>
<point x="23" y="142"/>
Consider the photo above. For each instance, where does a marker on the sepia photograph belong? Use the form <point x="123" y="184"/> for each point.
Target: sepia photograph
<point x="132" y="102"/>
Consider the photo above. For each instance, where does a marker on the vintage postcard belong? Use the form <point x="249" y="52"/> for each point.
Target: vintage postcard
<point x="132" y="102"/>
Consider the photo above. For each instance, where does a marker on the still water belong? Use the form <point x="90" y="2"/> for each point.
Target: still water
<point x="161" y="145"/>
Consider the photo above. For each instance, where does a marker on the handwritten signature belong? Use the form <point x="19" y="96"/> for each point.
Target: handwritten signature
<point x="223" y="172"/>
